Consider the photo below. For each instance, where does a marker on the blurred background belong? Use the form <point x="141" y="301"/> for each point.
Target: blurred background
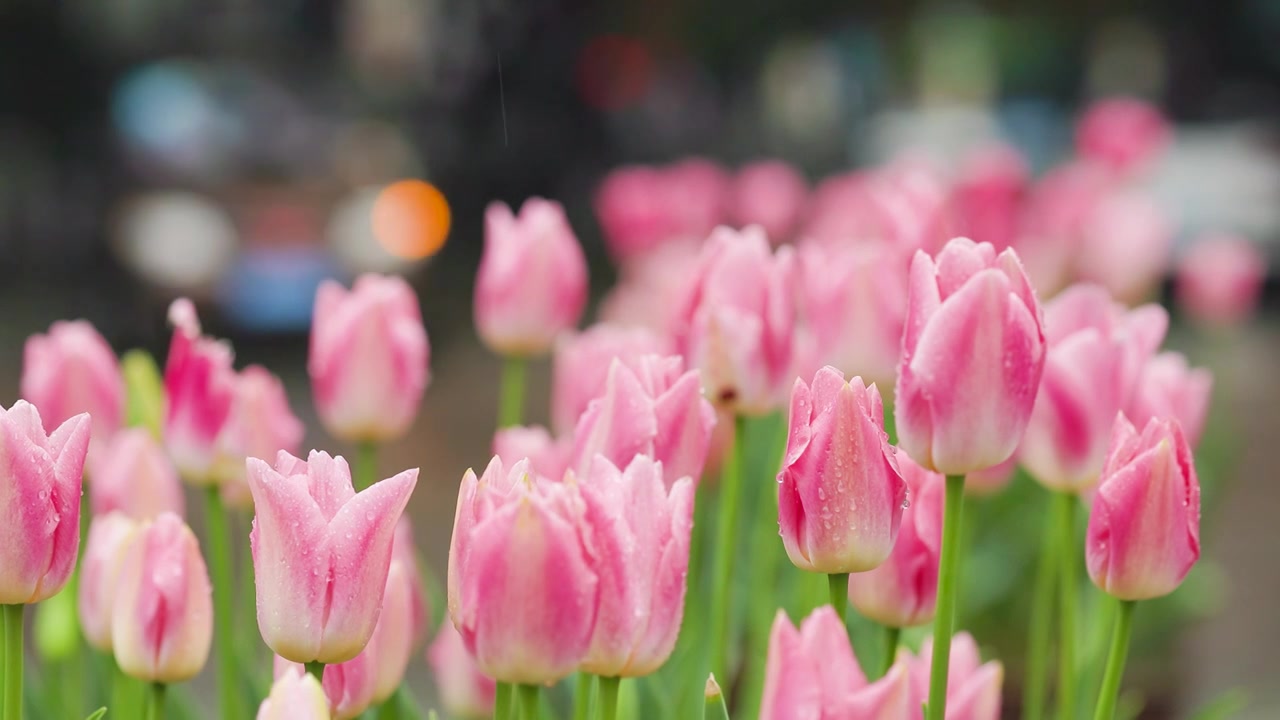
<point x="236" y="152"/>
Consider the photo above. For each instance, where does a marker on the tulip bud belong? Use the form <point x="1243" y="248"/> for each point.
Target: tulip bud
<point x="1125" y="243"/>
<point x="162" y="615"/>
<point x="581" y="365"/>
<point x="642" y="210"/>
<point x="1122" y="133"/>
<point x="989" y="195"/>
<point x="1058" y="208"/>
<point x="1220" y="279"/>
<point x="199" y="382"/>
<point x="972" y="355"/>
<point x="532" y="282"/>
<point x="321" y="554"/>
<point x="640" y="539"/>
<point x="522" y="592"/>
<point x="39" y="503"/>
<point x="368" y="358"/>
<point x="348" y="686"/>
<point x="133" y="475"/>
<point x="547" y="456"/>
<point x="73" y="370"/>
<point x="813" y="673"/>
<point x="109" y="536"/>
<point x="840" y="493"/>
<point x="648" y="293"/>
<point x="392" y="642"/>
<point x="465" y="692"/>
<point x="903" y="590"/>
<point x="1168" y="388"/>
<point x="973" y="687"/>
<point x="770" y="194"/>
<point x="1144" y="527"/>
<point x="295" y="696"/>
<point x="260" y="425"/>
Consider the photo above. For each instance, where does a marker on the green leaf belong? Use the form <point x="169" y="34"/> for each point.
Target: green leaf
<point x="1227" y="705"/>
<point x="715" y="708"/>
<point x="145" y="391"/>
<point x="97" y="714"/>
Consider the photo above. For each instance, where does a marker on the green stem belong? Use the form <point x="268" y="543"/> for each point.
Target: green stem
<point x="948" y="586"/>
<point x="366" y="468"/>
<point x="582" y="696"/>
<point x="155" y="701"/>
<point x="1065" y="505"/>
<point x="219" y="554"/>
<point x="13" y="662"/>
<point x="891" y="637"/>
<point x="1115" y="663"/>
<point x="511" y="402"/>
<point x="391" y="708"/>
<point x="4" y="652"/>
<point x="502" y="705"/>
<point x="1036" y="678"/>
<point x="609" y="697"/>
<point x="528" y="701"/>
<point x="726" y="533"/>
<point x="123" y="689"/>
<point x="838" y="586"/>
<point x="315" y="669"/>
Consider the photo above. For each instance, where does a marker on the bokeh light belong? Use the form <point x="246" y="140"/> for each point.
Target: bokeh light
<point x="176" y="239"/>
<point x="411" y="219"/>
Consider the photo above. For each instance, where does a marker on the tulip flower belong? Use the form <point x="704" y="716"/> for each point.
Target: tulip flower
<point x="72" y="370"/>
<point x="39" y="503"/>
<point x="737" y="320"/>
<point x="321" y="554"/>
<point x="903" y="590"/>
<point x="840" y="492"/>
<point x="642" y="209"/>
<point x="1095" y="349"/>
<point x="991" y="480"/>
<point x="295" y="695"/>
<point x="1220" y="279"/>
<point x="581" y="363"/>
<point x="813" y="674"/>
<point x="404" y="552"/>
<point x="989" y="195"/>
<point x="548" y="457"/>
<point x="200" y="385"/>
<point x="532" y="281"/>
<point x="649" y="289"/>
<point x="1168" y="388"/>
<point x="522" y="591"/>
<point x="770" y="194"/>
<point x="1125" y="245"/>
<point x="368" y="358"/>
<point x="1058" y="207"/>
<point x="640" y="533"/>
<point x="654" y="408"/>
<point x="133" y="475"/>
<point x="973" y="687"/>
<point x="260" y="425"/>
<point x="1122" y="133"/>
<point x="347" y="686"/>
<point x="973" y="352"/>
<point x="109" y="536"/>
<point x="162" y="615"/>
<point x="464" y="691"/>
<point x="1144" y="528"/>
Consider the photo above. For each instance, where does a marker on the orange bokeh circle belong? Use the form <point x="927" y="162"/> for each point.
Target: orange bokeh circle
<point x="411" y="219"/>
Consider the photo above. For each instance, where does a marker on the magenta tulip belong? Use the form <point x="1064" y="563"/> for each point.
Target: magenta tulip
<point x="770" y="194"/>
<point x="321" y="554"/>
<point x="1168" y="388"/>
<point x="532" y="281"/>
<point x="109" y="536"/>
<point x="972" y="355"/>
<point x="162" y="614"/>
<point x="840" y="493"/>
<point x="465" y="692"/>
<point x="548" y="457"/>
<point x="1122" y="133"/>
<point x="581" y="365"/>
<point x="1220" y="279"/>
<point x="200" y="386"/>
<point x="522" y="591"/>
<point x="295" y="695"/>
<point x="1144" y="527"/>
<point x="39" y="503"/>
<point x="132" y="474"/>
<point x="368" y="359"/>
<point x="973" y="687"/>
<point x="72" y="370"/>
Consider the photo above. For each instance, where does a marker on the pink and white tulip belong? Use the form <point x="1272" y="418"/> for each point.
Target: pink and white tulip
<point x="465" y="692"/>
<point x="1167" y="387"/>
<point x="40" y="485"/>
<point x="260" y="425"/>
<point x="404" y="552"/>
<point x="200" y="386"/>
<point x="347" y="686"/>
<point x="1125" y="245"/>
<point x="295" y="695"/>
<point x="973" y="351"/>
<point x="649" y="289"/>
<point x="770" y="194"/>
<point x="162" y="614"/>
<point x="133" y="475"/>
<point x="973" y="687"/>
<point x="840" y="493"/>
<point x="321" y="553"/>
<point x="532" y="281"/>
<point x="1122" y="133"/>
<point x="72" y="370"/>
<point x="522" y="591"/>
<point x="581" y="363"/>
<point x="548" y="457"/>
<point x="1220" y="279"/>
<point x="109" y="536"/>
<point x="1144" y="527"/>
<point x="368" y="359"/>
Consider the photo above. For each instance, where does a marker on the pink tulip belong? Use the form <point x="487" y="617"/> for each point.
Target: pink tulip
<point x="654" y="408"/>
<point x="548" y="457"/>
<point x="260" y="425"/>
<point x="648" y="293"/>
<point x="840" y="493"/>
<point x="200" y="386"/>
<point x="1220" y="279"/>
<point x="1058" y="207"/>
<point x="321" y="553"/>
<point x="842" y="211"/>
<point x="162" y="614"/>
<point x="404" y="552"/>
<point x="1095" y="351"/>
<point x="903" y="590"/>
<point x="1125" y="245"/>
<point x="581" y="364"/>
<point x="991" y="480"/>
<point x="39" y="503"/>
<point x="642" y="208"/>
<point x="532" y="281"/>
<point x="973" y="687"/>
<point x="295" y="696"/>
<point x="812" y="674"/>
<point x="1144" y="527"/>
<point x="522" y="591"/>
<point x="368" y="359"/>
<point x="133" y="475"/>
<point x="770" y="194"/>
<point x="914" y="200"/>
<point x="109" y="536"/>
<point x="465" y="692"/>
<point x="737" y="320"/>
<point x="1168" y="388"/>
<point x="347" y="687"/>
<point x="640" y="533"/>
<point x="72" y="370"/>
<point x="989" y="194"/>
<point x="854" y="299"/>
<point x="697" y="196"/>
<point x="1123" y="133"/>
<point x="972" y="354"/>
